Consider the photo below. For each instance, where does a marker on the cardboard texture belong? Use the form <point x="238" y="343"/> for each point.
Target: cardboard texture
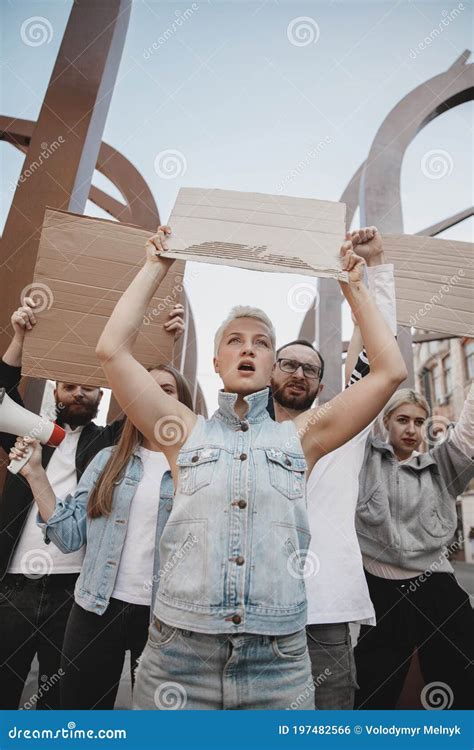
<point x="257" y="231"/>
<point x="83" y="266"/>
<point x="434" y="282"/>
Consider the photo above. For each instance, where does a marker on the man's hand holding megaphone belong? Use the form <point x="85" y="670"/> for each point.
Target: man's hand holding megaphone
<point x="20" y="451"/>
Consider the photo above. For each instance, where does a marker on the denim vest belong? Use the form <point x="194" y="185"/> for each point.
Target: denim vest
<point x="70" y="528"/>
<point x="233" y="550"/>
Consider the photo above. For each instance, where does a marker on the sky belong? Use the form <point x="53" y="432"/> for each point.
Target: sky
<point x="242" y="93"/>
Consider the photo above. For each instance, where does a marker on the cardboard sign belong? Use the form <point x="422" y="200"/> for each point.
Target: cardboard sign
<point x="434" y="281"/>
<point x="83" y="267"/>
<point x="257" y="231"/>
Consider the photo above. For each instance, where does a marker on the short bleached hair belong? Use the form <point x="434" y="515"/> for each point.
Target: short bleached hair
<point x="244" y="311"/>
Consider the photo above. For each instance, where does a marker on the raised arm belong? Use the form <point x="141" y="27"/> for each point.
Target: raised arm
<point x="368" y="243"/>
<point x="462" y="435"/>
<point x="22" y="321"/>
<point x="455" y="455"/>
<point x="141" y="398"/>
<point x="325" y="428"/>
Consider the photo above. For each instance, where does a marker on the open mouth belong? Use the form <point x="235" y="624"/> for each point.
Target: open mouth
<point x="246" y="367"/>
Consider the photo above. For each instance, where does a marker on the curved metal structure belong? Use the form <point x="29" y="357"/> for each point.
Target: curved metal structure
<point x="139" y="208"/>
<point x="375" y="187"/>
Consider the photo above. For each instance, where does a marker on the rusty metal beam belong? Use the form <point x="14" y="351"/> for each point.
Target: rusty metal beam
<point x="69" y="130"/>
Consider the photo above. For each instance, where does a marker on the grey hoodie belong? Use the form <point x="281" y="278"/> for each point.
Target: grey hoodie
<point x="406" y="512"/>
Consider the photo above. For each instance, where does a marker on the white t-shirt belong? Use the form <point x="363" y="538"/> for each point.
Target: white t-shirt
<point x="135" y="571"/>
<point x="335" y="585"/>
<point x="337" y="590"/>
<point x="32" y="556"/>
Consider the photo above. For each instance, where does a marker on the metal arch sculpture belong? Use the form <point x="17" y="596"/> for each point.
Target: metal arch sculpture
<point x="380" y="193"/>
<point x="375" y="187"/>
<point x="75" y="107"/>
<point x="139" y="208"/>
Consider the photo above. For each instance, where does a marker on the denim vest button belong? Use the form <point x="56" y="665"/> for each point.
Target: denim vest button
<point x="244" y="426"/>
<point x="287" y="462"/>
<point x="236" y="619"/>
<point x="242" y="504"/>
<point x="194" y="459"/>
<point x="239" y="560"/>
<point x="243" y="456"/>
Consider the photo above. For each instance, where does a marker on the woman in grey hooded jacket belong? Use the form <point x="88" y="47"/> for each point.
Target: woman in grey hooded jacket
<point x="406" y="522"/>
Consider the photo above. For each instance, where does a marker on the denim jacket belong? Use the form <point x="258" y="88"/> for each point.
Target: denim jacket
<point x="233" y="550"/>
<point x="70" y="528"/>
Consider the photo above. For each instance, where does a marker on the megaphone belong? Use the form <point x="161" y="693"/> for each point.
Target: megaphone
<point x="19" y="421"/>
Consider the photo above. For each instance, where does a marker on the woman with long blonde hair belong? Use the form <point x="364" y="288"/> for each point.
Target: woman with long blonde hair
<point x="114" y="511"/>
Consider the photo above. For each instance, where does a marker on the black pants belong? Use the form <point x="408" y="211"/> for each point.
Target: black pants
<point x="94" y="653"/>
<point x="435" y="616"/>
<point x="33" y="616"/>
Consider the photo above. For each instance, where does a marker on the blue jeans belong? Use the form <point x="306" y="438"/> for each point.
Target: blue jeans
<point x="180" y="669"/>
<point x="333" y="664"/>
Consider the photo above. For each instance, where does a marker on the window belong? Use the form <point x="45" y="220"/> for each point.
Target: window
<point x="469" y="359"/>
<point x="437" y="382"/>
<point x="448" y="375"/>
<point x="426" y="384"/>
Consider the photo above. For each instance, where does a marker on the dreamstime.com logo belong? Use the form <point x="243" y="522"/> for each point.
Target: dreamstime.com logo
<point x="173" y="560"/>
<point x="36" y="31"/>
<point x="436" y="298"/>
<point x="45" y="684"/>
<point x="317" y="413"/>
<point x="169" y="301"/>
<point x="436" y="164"/>
<point x="170" y="164"/>
<point x="302" y="165"/>
<point x="41" y="295"/>
<point x="67" y="733"/>
<point x="170" y="696"/>
<point x="36" y="563"/>
<point x="302" y="31"/>
<point x="175" y="25"/>
<point x="436" y="564"/>
<point x="303" y="564"/>
<point x="310" y="688"/>
<point x="437" y="696"/>
<point x="447" y="18"/>
<point x="435" y="430"/>
<point x="47" y="150"/>
<point x="170" y="430"/>
<point x="303" y="296"/>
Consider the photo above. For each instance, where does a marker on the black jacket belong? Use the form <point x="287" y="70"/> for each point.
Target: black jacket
<point x="17" y="497"/>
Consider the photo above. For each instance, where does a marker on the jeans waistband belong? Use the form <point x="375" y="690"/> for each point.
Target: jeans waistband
<point x="235" y="637"/>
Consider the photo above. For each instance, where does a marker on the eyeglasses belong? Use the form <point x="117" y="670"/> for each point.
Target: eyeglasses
<point x="291" y="365"/>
